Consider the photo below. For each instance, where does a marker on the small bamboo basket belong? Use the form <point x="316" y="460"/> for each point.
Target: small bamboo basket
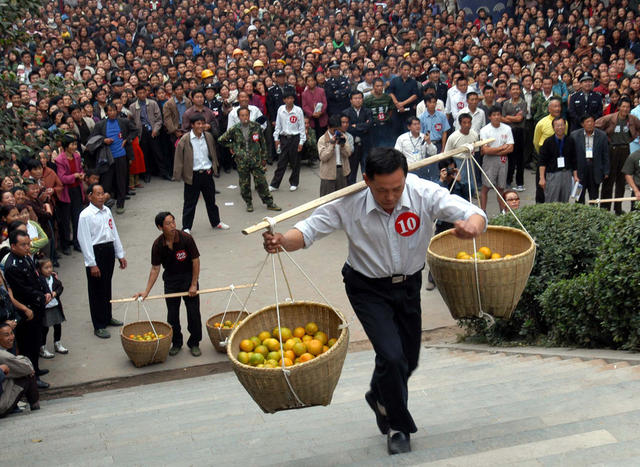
<point x="219" y="336"/>
<point x="501" y="281"/>
<point x="313" y="381"/>
<point x="144" y="353"/>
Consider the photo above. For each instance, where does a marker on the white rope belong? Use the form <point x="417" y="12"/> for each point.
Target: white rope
<point x="284" y="274"/>
<point x="285" y="371"/>
<point x="244" y="305"/>
<point x="146" y="312"/>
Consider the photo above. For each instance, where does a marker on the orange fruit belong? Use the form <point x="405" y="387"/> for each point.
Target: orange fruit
<point x="132" y="336"/>
<point x="261" y="349"/>
<point x="321" y="336"/>
<point x="287" y="362"/>
<point x="331" y="341"/>
<point x="256" y="341"/>
<point x="275" y="355"/>
<point x="264" y="335"/>
<point x="314" y="347"/>
<point x="216" y="325"/>
<point x="290" y="354"/>
<point x="256" y="359"/>
<point x="495" y="256"/>
<point x="325" y="348"/>
<point x="296" y="339"/>
<point x="486" y="251"/>
<point x="461" y="254"/>
<point x="283" y="332"/>
<point x="311" y="328"/>
<point x="307" y="338"/>
<point x="299" y="332"/>
<point x="508" y="255"/>
<point x="243" y="357"/>
<point x="305" y="357"/>
<point x="247" y="345"/>
<point x="288" y="345"/>
<point x="228" y="323"/>
<point x="299" y="349"/>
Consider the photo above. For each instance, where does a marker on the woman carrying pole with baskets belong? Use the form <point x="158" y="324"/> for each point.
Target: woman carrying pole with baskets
<point x="388" y="227"/>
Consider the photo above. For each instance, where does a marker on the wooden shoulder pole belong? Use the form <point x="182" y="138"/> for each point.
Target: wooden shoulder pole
<point x="355" y="188"/>
<point x="612" y="200"/>
<point x="183" y="294"/>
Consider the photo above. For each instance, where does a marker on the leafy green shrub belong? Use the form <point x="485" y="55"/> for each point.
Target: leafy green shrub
<point x="567" y="237"/>
<point x="602" y="307"/>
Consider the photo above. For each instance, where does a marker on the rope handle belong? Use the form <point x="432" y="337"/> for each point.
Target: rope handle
<point x="144" y="308"/>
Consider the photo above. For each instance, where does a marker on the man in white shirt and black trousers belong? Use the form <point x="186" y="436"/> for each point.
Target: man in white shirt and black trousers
<point x="101" y="245"/>
<point x="195" y="162"/>
<point x="289" y="137"/>
<point x="388" y="226"/>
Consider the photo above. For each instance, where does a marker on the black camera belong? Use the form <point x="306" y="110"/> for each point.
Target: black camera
<point x="451" y="171"/>
<point x="340" y="139"/>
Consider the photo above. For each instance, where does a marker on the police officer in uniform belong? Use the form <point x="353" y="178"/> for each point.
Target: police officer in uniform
<point x="249" y="148"/>
<point x="177" y="252"/>
<point x="441" y="88"/>
<point x="337" y="89"/>
<point x="275" y="98"/>
<point x="585" y="102"/>
<point x="388" y="227"/>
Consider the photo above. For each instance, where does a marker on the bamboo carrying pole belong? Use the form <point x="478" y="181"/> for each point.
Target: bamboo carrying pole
<point x="612" y="200"/>
<point x="184" y="294"/>
<point x="355" y="188"/>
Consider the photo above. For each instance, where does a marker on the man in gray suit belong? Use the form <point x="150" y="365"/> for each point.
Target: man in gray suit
<point x="592" y="157"/>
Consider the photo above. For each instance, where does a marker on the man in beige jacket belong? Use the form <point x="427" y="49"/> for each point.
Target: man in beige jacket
<point x="333" y="151"/>
<point x="195" y="163"/>
<point x="17" y="378"/>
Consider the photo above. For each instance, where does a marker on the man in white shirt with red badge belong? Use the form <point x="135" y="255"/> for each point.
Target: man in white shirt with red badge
<point x="289" y="136"/>
<point x="494" y="162"/>
<point x="415" y="146"/>
<point x="101" y="245"/>
<point x="388" y="226"/>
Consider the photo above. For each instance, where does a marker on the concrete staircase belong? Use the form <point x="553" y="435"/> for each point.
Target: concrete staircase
<point x="472" y="409"/>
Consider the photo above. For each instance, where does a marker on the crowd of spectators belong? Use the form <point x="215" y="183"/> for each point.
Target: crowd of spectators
<point x="414" y="74"/>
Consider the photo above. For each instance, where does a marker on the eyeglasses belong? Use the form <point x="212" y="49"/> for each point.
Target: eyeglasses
<point x="512" y="199"/>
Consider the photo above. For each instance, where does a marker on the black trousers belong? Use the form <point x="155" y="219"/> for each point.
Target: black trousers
<point x="68" y="215"/>
<point x="390" y="315"/>
<point x="192" y="304"/>
<point x="100" y="287"/>
<point x="288" y="155"/>
<point x="539" y="190"/>
<point x="29" y="338"/>
<point x="116" y="180"/>
<point x="202" y="183"/>
<point x="516" y="158"/>
<point x="57" y="333"/>
<point x="617" y="156"/>
<point x="357" y="158"/>
<point x="29" y="391"/>
<point x="154" y="156"/>
<point x="589" y="185"/>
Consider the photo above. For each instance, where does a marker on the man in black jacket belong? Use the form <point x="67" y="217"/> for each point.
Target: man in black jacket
<point x="118" y="134"/>
<point x="31" y="292"/>
<point x="360" y="120"/>
<point x="591" y="148"/>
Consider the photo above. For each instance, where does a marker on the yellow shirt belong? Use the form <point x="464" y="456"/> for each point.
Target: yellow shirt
<point x="543" y="130"/>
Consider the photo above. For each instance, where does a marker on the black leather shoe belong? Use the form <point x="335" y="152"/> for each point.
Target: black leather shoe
<point x="398" y="443"/>
<point x="66" y="251"/>
<point x="42" y="372"/>
<point x="381" y="420"/>
<point x="147" y="178"/>
<point x="41" y="384"/>
<point x="131" y="193"/>
<point x="127" y="197"/>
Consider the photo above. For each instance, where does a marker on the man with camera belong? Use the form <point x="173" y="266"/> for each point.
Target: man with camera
<point x="334" y="151"/>
<point x="415" y="146"/>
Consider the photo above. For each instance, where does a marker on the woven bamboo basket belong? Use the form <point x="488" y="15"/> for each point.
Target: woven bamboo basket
<point x="219" y="336"/>
<point x="144" y="353"/>
<point x="313" y="381"/>
<point x="501" y="280"/>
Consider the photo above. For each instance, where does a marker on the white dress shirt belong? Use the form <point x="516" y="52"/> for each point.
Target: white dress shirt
<point x="201" y="159"/>
<point x="254" y="114"/>
<point x="414" y="149"/>
<point x="290" y="123"/>
<point x="422" y="107"/>
<point x="96" y="226"/>
<point x="456" y="101"/>
<point x="478" y="119"/>
<point x="382" y="244"/>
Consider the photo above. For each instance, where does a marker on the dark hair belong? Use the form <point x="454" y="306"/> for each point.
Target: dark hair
<point x="13" y="236"/>
<point x="623" y="100"/>
<point x="111" y="105"/>
<point x="445" y="163"/>
<point x="4" y="324"/>
<point x="15" y="225"/>
<point x="91" y="187"/>
<point x="557" y="119"/>
<point x="410" y="120"/>
<point x="67" y="139"/>
<point x="334" y="121"/>
<point x="41" y="262"/>
<point x="161" y="216"/>
<point x="33" y="164"/>
<point x="472" y="93"/>
<point x="243" y="108"/>
<point x="355" y="93"/>
<point x="494" y="109"/>
<point x="383" y="161"/>
<point x="196" y="117"/>
<point x="585" y="117"/>
<point x="5" y="210"/>
<point x="141" y="87"/>
<point x="463" y="116"/>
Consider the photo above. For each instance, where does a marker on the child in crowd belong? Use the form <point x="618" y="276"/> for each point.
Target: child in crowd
<point x="53" y="316"/>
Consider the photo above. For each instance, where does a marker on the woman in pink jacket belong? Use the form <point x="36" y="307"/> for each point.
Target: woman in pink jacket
<point x="70" y="172"/>
<point x="312" y="97"/>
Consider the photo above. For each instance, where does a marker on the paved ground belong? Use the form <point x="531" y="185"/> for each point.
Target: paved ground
<point x="471" y="409"/>
<point x="228" y="257"/>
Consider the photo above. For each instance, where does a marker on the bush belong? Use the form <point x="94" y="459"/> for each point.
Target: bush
<point x="601" y="308"/>
<point x="567" y="237"/>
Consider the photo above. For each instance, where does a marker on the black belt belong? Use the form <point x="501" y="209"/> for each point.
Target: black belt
<point x="626" y="145"/>
<point x="100" y="246"/>
<point x="289" y="136"/>
<point x="391" y="280"/>
<point x="202" y="171"/>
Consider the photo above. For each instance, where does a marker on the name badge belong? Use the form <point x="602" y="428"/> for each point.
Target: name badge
<point x="589" y="153"/>
<point x="617" y="130"/>
<point x="561" y="162"/>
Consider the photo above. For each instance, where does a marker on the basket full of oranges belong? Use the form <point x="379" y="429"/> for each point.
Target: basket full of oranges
<point x="221" y="326"/>
<point x="146" y="342"/>
<point x="310" y="345"/>
<point x="497" y="271"/>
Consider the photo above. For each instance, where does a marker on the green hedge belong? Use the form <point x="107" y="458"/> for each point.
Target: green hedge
<point x="567" y="238"/>
<point x="601" y="308"/>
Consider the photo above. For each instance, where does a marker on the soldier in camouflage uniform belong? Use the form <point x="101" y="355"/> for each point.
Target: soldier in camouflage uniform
<point x="249" y="148"/>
